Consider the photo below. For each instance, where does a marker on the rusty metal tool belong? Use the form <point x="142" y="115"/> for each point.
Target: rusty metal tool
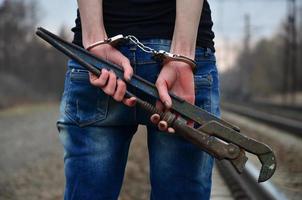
<point x="214" y="135"/>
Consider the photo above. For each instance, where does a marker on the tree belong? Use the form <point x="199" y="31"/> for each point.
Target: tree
<point x="39" y="68"/>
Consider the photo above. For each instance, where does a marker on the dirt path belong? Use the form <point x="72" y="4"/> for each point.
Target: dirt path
<point x="30" y="159"/>
<point x="31" y="165"/>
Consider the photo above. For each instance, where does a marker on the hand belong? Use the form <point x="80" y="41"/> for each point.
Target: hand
<point x="176" y="77"/>
<point x="108" y="81"/>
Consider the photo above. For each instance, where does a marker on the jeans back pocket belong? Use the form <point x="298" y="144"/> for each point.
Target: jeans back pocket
<point x="85" y="103"/>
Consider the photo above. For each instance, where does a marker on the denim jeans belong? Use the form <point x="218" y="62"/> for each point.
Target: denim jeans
<point x="96" y="133"/>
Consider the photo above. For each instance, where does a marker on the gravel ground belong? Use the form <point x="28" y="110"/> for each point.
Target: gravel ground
<point x="31" y="164"/>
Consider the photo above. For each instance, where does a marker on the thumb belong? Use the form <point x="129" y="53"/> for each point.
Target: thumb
<point x="128" y="70"/>
<point x="118" y="58"/>
<point x="164" y="96"/>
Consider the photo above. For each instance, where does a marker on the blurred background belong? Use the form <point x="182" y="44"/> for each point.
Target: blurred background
<point x="259" y="55"/>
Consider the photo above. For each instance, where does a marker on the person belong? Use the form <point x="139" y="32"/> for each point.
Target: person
<point x="96" y="129"/>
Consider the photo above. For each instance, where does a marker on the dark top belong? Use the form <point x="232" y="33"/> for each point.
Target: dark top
<point x="147" y="19"/>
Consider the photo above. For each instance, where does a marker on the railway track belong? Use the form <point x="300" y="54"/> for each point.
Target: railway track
<point x="245" y="185"/>
<point x="267" y="105"/>
<point x="293" y="126"/>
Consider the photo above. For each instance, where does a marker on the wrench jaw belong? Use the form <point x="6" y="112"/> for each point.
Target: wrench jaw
<point x="261" y="150"/>
<point x="239" y="162"/>
<point x="269" y="164"/>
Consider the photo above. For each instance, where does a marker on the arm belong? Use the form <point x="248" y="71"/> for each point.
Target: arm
<point x="175" y="76"/>
<point x="93" y="30"/>
<point x="188" y="14"/>
<point x="92" y="21"/>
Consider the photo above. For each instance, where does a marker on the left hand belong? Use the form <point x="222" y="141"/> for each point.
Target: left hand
<point x="176" y="77"/>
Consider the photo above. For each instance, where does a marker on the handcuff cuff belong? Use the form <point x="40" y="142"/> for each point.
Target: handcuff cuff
<point x="160" y="55"/>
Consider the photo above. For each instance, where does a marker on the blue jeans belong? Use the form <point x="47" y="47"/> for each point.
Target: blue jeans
<point x="96" y="133"/>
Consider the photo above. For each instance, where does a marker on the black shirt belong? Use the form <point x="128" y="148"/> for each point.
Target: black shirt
<point x="147" y="19"/>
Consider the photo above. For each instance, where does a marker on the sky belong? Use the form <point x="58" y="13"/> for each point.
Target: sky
<point x="228" y="16"/>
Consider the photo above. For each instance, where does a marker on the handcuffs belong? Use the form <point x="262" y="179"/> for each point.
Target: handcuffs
<point x="160" y="55"/>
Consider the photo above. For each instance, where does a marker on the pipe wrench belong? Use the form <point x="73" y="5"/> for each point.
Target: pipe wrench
<point x="214" y="135"/>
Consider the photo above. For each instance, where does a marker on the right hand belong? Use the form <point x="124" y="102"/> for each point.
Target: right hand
<point x="107" y="81"/>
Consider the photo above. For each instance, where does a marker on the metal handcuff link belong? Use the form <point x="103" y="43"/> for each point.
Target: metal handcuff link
<point x="158" y="55"/>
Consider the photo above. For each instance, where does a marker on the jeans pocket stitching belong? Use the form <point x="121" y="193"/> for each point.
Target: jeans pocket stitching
<point x="204" y="82"/>
<point x="101" y="109"/>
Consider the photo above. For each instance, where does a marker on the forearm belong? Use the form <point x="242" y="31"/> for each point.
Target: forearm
<point x="91" y="12"/>
<point x="188" y="14"/>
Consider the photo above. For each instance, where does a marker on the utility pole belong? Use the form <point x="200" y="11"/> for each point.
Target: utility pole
<point x="246" y="67"/>
<point x="247" y="31"/>
<point x="299" y="50"/>
<point x="290" y="81"/>
<point x="294" y="46"/>
<point x="286" y="59"/>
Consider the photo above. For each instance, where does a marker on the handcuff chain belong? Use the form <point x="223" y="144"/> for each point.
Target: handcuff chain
<point x="161" y="55"/>
<point x="140" y="45"/>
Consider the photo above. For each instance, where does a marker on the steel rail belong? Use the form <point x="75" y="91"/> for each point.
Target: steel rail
<point x="245" y="185"/>
<point x="290" y="125"/>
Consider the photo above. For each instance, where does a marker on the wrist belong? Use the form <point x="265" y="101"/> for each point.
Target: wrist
<point x="91" y="38"/>
<point x="178" y="66"/>
<point x="183" y="46"/>
<point x="183" y="50"/>
<point x="186" y="61"/>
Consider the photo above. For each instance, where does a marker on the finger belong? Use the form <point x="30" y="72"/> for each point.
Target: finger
<point x="162" y="125"/>
<point x="162" y="88"/>
<point x="129" y="101"/>
<point x="120" y="90"/>
<point x="128" y="70"/>
<point x="171" y="130"/>
<point x="99" y="81"/>
<point x="190" y="99"/>
<point x="111" y="85"/>
<point x="92" y="77"/>
<point x="118" y="58"/>
<point x="155" y="118"/>
<point x="160" y="106"/>
<point x="190" y="123"/>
